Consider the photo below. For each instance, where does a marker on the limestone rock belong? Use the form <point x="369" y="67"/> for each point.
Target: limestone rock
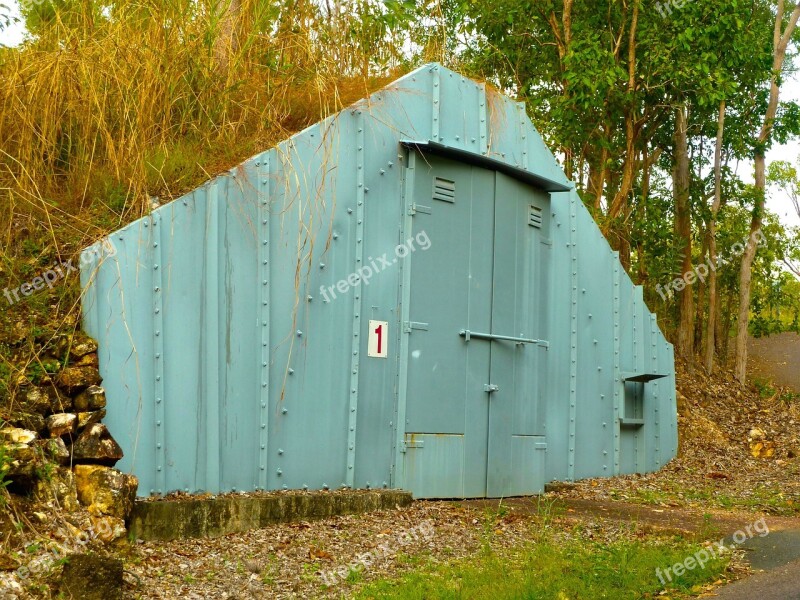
<point x="81" y="346"/>
<point x="59" y="402"/>
<point x="92" y="398"/>
<point x="15" y="435"/>
<point x="90" y="418"/>
<point x="61" y="424"/>
<point x="56" y="450"/>
<point x="34" y="400"/>
<point x="92" y="577"/>
<point x="58" y="489"/>
<point x="108" y="529"/>
<point x="95" y="445"/>
<point x="90" y="360"/>
<point x="76" y="379"/>
<point x="31" y="421"/>
<point x="18" y="446"/>
<point x="105" y="491"/>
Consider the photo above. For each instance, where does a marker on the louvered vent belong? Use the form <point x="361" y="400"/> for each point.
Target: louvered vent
<point x="535" y="216"/>
<point x="444" y="190"/>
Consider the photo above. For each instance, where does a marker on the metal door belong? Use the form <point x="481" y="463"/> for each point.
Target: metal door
<point x="471" y="399"/>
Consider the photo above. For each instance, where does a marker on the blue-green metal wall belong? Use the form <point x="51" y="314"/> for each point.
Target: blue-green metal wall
<point x="226" y="369"/>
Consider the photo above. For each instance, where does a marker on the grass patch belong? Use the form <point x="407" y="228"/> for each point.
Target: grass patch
<point x="548" y="569"/>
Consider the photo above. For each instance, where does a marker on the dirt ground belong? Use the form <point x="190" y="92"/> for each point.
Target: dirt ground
<point x="776" y="358"/>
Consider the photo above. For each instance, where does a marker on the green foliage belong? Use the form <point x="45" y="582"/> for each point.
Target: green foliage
<point x="5" y="462"/>
<point x="547" y="569"/>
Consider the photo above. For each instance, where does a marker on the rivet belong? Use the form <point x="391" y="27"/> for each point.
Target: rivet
<point x="285" y="410"/>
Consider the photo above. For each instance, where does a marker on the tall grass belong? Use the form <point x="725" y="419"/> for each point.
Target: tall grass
<point x="108" y="105"/>
<point x="104" y="108"/>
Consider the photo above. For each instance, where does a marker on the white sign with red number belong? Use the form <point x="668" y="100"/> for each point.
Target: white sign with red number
<point x="378" y="339"/>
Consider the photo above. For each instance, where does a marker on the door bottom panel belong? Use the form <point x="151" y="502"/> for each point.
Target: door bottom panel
<point x="433" y="465"/>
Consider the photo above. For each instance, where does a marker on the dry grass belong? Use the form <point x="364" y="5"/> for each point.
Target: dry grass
<point x="102" y="111"/>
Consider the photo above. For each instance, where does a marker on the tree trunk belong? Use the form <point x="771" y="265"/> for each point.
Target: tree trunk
<point x="618" y="204"/>
<point x="683" y="232"/>
<point x="726" y="337"/>
<point x="227" y="43"/>
<point x="780" y="41"/>
<point x="711" y="328"/>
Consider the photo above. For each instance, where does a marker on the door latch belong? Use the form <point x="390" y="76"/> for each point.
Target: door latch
<point x="490" y="387"/>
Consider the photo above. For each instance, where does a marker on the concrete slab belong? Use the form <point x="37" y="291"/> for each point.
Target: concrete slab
<point x="191" y="517"/>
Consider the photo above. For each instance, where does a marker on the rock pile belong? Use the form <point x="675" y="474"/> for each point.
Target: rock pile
<point x="53" y="445"/>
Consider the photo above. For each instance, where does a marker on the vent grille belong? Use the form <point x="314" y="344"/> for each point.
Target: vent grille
<point x="535" y="216"/>
<point x="444" y="190"/>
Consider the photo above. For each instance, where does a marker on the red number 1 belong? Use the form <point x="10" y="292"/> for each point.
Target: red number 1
<point x="379" y="332"/>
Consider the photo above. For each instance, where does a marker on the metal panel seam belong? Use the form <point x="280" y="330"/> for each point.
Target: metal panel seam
<point x="398" y="480"/>
<point x="211" y="335"/>
<point x="437" y="90"/>
<point x="483" y="143"/>
<point x="618" y="385"/>
<point x="573" y="353"/>
<point x="263" y="166"/>
<point x="656" y="420"/>
<point x="158" y="353"/>
<point x="359" y="254"/>
<point x="523" y="131"/>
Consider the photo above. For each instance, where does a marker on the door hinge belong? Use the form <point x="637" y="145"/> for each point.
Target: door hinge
<point x="409" y="325"/>
<point x="410" y="445"/>
<point x="418" y="208"/>
<point x="490" y="388"/>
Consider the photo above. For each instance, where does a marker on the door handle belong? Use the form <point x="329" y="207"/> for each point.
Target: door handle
<point x="468" y="335"/>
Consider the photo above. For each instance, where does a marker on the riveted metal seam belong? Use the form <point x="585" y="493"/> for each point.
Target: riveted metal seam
<point x="158" y="355"/>
<point x="436" y="106"/>
<point x="483" y="141"/>
<point x="523" y="129"/>
<point x="211" y="341"/>
<point x="656" y="403"/>
<point x="356" y="341"/>
<point x="619" y="386"/>
<point x="264" y="266"/>
<point x="573" y="325"/>
<point x="398" y="479"/>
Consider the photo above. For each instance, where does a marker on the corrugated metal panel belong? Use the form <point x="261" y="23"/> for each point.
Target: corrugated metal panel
<point x="234" y="347"/>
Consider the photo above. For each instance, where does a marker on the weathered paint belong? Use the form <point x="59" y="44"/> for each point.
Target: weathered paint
<point x="235" y="359"/>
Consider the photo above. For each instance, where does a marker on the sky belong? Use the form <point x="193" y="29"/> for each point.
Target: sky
<point x="777" y="202"/>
